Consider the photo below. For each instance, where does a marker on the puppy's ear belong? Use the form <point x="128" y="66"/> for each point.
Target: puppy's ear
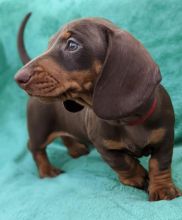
<point x="128" y="77"/>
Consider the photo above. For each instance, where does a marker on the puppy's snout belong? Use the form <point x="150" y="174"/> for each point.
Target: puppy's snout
<point x="22" y="76"/>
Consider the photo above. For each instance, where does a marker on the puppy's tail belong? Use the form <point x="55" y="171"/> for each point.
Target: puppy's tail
<point x="20" y="41"/>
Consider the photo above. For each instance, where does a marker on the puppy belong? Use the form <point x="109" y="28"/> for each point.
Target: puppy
<point x="103" y="88"/>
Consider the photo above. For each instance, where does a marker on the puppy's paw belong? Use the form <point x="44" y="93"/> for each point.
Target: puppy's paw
<point x="163" y="193"/>
<point x="144" y="183"/>
<point x="49" y="171"/>
<point x="78" y="150"/>
<point x="139" y="179"/>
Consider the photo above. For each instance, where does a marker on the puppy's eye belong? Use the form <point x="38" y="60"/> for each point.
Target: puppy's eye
<point x="72" y="45"/>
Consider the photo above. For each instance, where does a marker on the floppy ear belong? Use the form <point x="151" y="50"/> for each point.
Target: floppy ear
<point x="128" y="77"/>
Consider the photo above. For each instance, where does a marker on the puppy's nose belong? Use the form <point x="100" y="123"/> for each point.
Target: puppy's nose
<point x="22" y="76"/>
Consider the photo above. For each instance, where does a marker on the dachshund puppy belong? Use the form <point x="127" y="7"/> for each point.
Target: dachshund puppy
<point x="103" y="88"/>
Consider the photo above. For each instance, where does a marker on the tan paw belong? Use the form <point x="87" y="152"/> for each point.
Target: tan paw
<point x="49" y="171"/>
<point x="78" y="152"/>
<point x="164" y="193"/>
<point x="139" y="180"/>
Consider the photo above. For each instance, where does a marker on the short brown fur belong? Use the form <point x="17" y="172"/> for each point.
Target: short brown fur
<point x="107" y="78"/>
<point x="156" y="136"/>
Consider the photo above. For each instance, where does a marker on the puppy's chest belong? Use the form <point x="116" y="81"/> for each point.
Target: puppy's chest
<point x="132" y="139"/>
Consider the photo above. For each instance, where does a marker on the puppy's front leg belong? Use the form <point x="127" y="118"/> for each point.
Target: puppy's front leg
<point x="161" y="186"/>
<point x="129" y="170"/>
<point x="40" y="124"/>
<point x="44" y="166"/>
<point x="75" y="148"/>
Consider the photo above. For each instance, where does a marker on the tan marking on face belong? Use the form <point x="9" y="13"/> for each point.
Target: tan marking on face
<point x="88" y="85"/>
<point x="38" y="69"/>
<point x="65" y="35"/>
<point x="156" y="135"/>
<point x="98" y="66"/>
<point x="50" y="79"/>
<point x="114" y="145"/>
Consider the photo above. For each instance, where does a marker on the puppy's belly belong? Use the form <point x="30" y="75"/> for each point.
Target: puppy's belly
<point x="138" y="151"/>
<point x="128" y="147"/>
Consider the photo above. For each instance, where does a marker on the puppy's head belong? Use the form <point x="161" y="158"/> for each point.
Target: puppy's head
<point x="92" y="62"/>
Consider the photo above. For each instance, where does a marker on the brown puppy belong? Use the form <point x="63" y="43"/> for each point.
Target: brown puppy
<point x="111" y="83"/>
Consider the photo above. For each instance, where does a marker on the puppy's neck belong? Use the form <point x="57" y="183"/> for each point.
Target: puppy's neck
<point x="140" y="116"/>
<point x="144" y="112"/>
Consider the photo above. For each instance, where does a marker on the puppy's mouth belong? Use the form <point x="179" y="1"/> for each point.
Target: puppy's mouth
<point x="49" y="90"/>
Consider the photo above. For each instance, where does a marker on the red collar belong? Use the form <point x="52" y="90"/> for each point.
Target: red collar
<point x="142" y="119"/>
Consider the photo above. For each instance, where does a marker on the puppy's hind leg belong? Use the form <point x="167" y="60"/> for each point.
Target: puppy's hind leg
<point x="128" y="168"/>
<point x="75" y="148"/>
